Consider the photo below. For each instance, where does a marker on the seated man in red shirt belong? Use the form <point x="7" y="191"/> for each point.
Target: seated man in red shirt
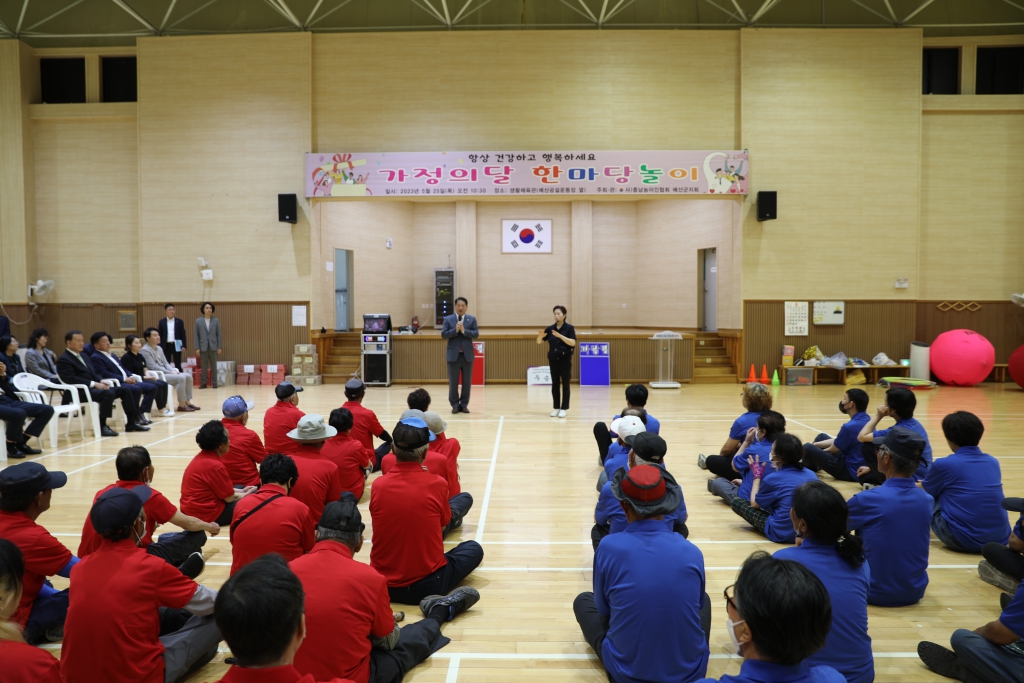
<point x="206" y="488"/>
<point x="20" y="662"/>
<point x="133" y="618"/>
<point x="269" y="521"/>
<point x="181" y="549"/>
<point x="410" y="512"/>
<point x="281" y="418"/>
<point x="259" y="611"/>
<point x="247" y="450"/>
<point x="450" y="448"/>
<point x="364" y="422"/>
<point x="25" y="491"/>
<point x="319" y="483"/>
<point x="351" y="629"/>
<point x="352" y="457"/>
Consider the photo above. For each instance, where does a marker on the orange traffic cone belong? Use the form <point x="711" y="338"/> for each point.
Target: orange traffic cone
<point x="753" y="375"/>
<point x="764" y="375"/>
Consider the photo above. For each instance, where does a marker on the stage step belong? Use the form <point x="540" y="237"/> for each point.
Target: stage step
<point x="711" y="362"/>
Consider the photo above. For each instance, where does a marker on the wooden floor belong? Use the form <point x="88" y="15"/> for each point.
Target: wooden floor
<point x="533" y="479"/>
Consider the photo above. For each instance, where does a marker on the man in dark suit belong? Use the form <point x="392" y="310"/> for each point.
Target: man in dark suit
<point x="460" y="330"/>
<point x="107" y="367"/>
<point x="5" y="326"/>
<point x="74" y="367"/>
<point x="172" y="334"/>
<point x="14" y="412"/>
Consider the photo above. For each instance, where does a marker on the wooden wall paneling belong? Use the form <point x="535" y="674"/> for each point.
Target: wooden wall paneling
<point x="23" y="320"/>
<point x="1001" y="322"/>
<point x="508" y="358"/>
<point x="434" y="232"/>
<point x="582" y="264"/>
<point x="419" y="360"/>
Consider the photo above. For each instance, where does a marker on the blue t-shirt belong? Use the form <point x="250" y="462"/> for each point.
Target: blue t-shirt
<point x="894" y="522"/>
<point x="1013" y="616"/>
<point x="739" y="428"/>
<point x="652" y="424"/>
<point x="614" y="462"/>
<point x="763" y="451"/>
<point x="848" y="445"/>
<point x="754" y="671"/>
<point x="776" y="497"/>
<point x="609" y="511"/>
<point x="968" y="488"/>
<point x="914" y="426"/>
<point x="848" y="645"/>
<point x="640" y="609"/>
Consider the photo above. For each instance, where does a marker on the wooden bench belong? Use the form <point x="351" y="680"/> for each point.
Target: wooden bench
<point x="999" y="372"/>
<point x="872" y="372"/>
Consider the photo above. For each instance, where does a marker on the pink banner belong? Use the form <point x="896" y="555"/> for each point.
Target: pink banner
<point x="397" y="174"/>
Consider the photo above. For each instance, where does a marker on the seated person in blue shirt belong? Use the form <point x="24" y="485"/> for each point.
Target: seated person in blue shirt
<point x="777" y="615"/>
<point x="636" y="397"/>
<point x="629" y="425"/>
<point x="1003" y="565"/>
<point x="894" y="522"/>
<point x="757" y="443"/>
<point x="841" y="457"/>
<point x="648" y="449"/>
<point x="767" y="509"/>
<point x="900" y="404"/>
<point x="967" y="487"/>
<point x="836" y="557"/>
<point x="648" y="618"/>
<point x="756" y="399"/>
<point x="993" y="653"/>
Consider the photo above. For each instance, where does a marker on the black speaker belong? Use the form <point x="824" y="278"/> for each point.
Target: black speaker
<point x="287" y="208"/>
<point x="767" y="209"/>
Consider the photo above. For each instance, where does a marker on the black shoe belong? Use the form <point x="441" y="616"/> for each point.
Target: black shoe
<point x="107" y="431"/>
<point x="202" y="386"/>
<point x="136" y="427"/>
<point x="940" y="660"/>
<point x="1004" y="601"/>
<point x="54" y="634"/>
<point x="144" y="422"/>
<point x="214" y="386"/>
<point x="455" y="410"/>
<point x="463" y="409"/>
<point x="193" y="565"/>
<point x="457" y="602"/>
<point x="28" y="450"/>
<point x="14" y="453"/>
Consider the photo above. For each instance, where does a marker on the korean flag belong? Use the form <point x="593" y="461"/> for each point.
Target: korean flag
<point x="526" y="236"/>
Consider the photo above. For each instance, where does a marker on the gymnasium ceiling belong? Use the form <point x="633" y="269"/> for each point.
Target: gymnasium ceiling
<point x="79" y="23"/>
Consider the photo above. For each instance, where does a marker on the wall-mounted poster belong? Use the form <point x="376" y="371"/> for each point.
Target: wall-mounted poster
<point x="796" y="319"/>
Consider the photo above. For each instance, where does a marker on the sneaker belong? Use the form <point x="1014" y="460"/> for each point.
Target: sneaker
<point x="940" y="660"/>
<point x="990" y="574"/>
<point x="457" y="602"/>
<point x="1004" y="601"/>
<point x="54" y="634"/>
<point x="193" y="565"/>
<point x="561" y="413"/>
<point x="168" y="413"/>
<point x="868" y="487"/>
<point x="554" y="413"/>
<point x="702" y="461"/>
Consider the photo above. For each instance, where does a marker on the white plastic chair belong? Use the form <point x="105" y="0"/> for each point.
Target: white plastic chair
<point x="30" y="387"/>
<point x="162" y="376"/>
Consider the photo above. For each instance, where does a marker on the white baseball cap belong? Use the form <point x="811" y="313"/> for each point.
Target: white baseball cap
<point x="627" y="427"/>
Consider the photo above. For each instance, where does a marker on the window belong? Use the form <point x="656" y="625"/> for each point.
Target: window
<point x="941" y="72"/>
<point x="118" y="79"/>
<point x="62" y="80"/>
<point x="1000" y="71"/>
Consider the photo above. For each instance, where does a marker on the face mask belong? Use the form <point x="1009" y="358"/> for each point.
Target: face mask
<point x="730" y="626"/>
<point x="841" y="408"/>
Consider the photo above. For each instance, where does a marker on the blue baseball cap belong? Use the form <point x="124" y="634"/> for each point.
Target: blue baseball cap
<point x="236" y="406"/>
<point x="31" y="476"/>
<point x="118" y="508"/>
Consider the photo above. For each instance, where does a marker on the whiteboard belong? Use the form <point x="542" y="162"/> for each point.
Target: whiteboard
<point x="829" y="312"/>
<point x="796" y="319"/>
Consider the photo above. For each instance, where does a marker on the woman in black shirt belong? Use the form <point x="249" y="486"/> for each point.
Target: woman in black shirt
<point x="561" y="339"/>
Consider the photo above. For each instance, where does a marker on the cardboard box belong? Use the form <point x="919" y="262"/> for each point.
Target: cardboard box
<point x="305" y="348"/>
<point x="305" y="380"/>
<point x="297" y="369"/>
<point x="787" y="356"/>
<point x="310" y="369"/>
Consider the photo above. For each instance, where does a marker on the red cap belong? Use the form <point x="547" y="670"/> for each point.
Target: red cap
<point x="644" y="483"/>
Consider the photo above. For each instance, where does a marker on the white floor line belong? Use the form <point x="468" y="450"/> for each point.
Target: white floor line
<point x="168" y="438"/>
<point x="813" y="429"/>
<point x="453" y="670"/>
<point x="89" y="441"/>
<point x="706" y="569"/>
<point x="490" y="482"/>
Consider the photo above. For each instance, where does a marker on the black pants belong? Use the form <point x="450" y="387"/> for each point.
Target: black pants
<point x="599" y="531"/>
<point x="415" y="643"/>
<point x="817" y="459"/>
<point x="106" y="398"/>
<point x="225" y="516"/>
<point x="173" y="357"/>
<point x="379" y="454"/>
<point x="1004" y="559"/>
<point x="461" y="561"/>
<point x="595" y="625"/>
<point x="561" y="374"/>
<point x="148" y="391"/>
<point x="604" y="439"/>
<point x="721" y="465"/>
<point x="175" y="547"/>
<point x="870" y="455"/>
<point x="14" y="413"/>
<point x="460" y="504"/>
<point x="465" y="366"/>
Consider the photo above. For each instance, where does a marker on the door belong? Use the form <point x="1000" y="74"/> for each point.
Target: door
<point x="710" y="290"/>
<point x="342" y="287"/>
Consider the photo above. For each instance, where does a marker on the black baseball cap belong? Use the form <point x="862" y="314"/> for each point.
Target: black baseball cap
<point x="412" y="433"/>
<point x="649" y="447"/>
<point x="118" y="508"/>
<point x="903" y="442"/>
<point x="286" y="390"/>
<point x="1013" y="504"/>
<point x="355" y="384"/>
<point x="342" y="515"/>
<point x="31" y="477"/>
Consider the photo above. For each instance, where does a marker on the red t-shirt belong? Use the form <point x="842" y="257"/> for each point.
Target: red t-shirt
<point x="158" y="509"/>
<point x="408" y="507"/>
<point x="282" y="526"/>
<point x="23" y="663"/>
<point x="204" y="486"/>
<point x="346" y="603"/>
<point x="434" y="462"/>
<point x="280" y="418"/>
<point x="112" y="632"/>
<point x="318" y="483"/>
<point x="277" y="674"/>
<point x="246" y="453"/>
<point x="351" y="456"/>
<point x="364" y="423"/>
<point x="450" y="448"/>
<point x="44" y="556"/>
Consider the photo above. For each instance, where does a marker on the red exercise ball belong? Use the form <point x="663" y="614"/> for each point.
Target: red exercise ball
<point x="1017" y="366"/>
<point x="962" y="358"/>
